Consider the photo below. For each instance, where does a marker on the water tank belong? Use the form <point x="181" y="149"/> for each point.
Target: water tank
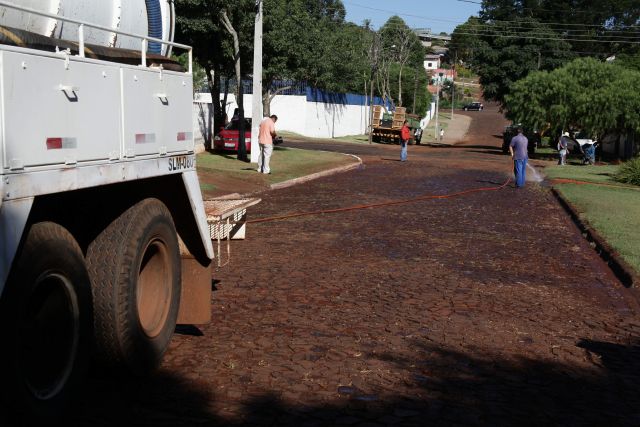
<point x="154" y="18"/>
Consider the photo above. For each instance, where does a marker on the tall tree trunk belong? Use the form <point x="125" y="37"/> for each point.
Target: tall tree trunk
<point x="242" y="148"/>
<point x="266" y="98"/>
<point x="225" y="97"/>
<point x="400" y="86"/>
<point x="213" y="81"/>
<point x="415" y="92"/>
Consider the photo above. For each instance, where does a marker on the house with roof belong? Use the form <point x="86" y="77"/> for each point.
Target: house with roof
<point x="432" y="62"/>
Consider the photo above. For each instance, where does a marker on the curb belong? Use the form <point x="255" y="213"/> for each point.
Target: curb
<point x="623" y="271"/>
<point x="307" y="178"/>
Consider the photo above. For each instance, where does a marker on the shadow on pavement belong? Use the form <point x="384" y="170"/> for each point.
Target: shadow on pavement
<point x="448" y="386"/>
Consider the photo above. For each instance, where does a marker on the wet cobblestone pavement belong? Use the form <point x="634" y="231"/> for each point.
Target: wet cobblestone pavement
<point x="487" y="309"/>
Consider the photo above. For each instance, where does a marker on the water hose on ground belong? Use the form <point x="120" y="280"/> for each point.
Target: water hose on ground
<point x="379" y="205"/>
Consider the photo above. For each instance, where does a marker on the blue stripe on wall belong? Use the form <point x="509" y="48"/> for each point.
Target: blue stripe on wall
<point x="317" y="95"/>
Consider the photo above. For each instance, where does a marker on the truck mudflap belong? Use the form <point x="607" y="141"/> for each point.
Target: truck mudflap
<point x="13" y="218"/>
<point x="192" y="185"/>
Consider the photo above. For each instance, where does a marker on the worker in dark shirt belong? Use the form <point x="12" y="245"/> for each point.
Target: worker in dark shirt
<point x="518" y="150"/>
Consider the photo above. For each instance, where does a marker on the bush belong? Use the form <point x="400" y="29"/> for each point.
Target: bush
<point x="629" y="172"/>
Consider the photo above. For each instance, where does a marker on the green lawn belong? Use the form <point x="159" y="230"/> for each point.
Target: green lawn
<point x="613" y="209"/>
<point x="613" y="212"/>
<point x="356" y="139"/>
<point x="286" y="163"/>
<point x="602" y="174"/>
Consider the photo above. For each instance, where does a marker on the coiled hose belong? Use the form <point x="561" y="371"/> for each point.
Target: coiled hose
<point x="154" y="21"/>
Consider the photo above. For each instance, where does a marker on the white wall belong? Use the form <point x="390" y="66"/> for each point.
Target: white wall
<point x="295" y="114"/>
<point x="335" y="120"/>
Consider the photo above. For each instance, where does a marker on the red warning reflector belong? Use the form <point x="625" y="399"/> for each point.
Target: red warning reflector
<point x="60" y="143"/>
<point x="185" y="136"/>
<point x="54" y="143"/>
<point x="145" y="138"/>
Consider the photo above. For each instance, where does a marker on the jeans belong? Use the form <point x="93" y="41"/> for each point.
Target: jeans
<point x="520" y="171"/>
<point x="265" y="157"/>
<point x="562" y="156"/>
<point x="403" y="151"/>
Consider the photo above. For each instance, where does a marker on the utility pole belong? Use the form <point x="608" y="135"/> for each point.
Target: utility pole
<point x="371" y="111"/>
<point x="256" y="104"/>
<point x="438" y="83"/>
<point x="437" y="101"/>
<point x="453" y="85"/>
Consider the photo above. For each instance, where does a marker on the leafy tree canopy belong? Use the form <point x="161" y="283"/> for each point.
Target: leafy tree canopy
<point x="611" y="22"/>
<point x="502" y="60"/>
<point x="303" y="41"/>
<point x="585" y="94"/>
<point x="604" y="13"/>
<point x="465" y="40"/>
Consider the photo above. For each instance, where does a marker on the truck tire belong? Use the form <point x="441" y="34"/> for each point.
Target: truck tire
<point x="45" y="325"/>
<point x="134" y="265"/>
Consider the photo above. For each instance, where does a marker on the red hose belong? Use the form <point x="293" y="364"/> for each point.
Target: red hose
<point x="379" y="205"/>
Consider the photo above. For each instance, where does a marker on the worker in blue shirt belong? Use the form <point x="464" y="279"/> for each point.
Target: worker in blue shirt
<point x="518" y="150"/>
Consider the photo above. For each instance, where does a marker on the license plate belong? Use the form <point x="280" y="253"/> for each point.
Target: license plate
<point x="229" y="145"/>
<point x="181" y="163"/>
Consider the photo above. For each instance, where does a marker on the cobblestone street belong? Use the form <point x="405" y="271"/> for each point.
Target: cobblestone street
<point x="484" y="309"/>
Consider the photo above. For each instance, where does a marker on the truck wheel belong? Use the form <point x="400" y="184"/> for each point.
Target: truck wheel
<point x="134" y="265"/>
<point x="45" y="325"/>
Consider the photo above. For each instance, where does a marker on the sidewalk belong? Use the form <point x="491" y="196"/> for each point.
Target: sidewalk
<point x="454" y="130"/>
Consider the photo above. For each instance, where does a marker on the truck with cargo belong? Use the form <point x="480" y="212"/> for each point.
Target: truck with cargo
<point x="103" y="232"/>
<point x="386" y="127"/>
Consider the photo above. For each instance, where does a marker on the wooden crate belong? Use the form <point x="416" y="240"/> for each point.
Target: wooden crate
<point x="377" y="112"/>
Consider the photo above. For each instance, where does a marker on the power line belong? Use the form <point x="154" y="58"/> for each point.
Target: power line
<point x="569" y="35"/>
<point x="525" y="24"/>
<point x="429" y="19"/>
<point x="517" y="36"/>
<point x="543" y="9"/>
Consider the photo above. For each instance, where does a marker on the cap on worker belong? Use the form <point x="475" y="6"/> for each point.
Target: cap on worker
<point x="565" y="134"/>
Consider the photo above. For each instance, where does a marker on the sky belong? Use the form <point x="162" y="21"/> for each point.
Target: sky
<point x="439" y="15"/>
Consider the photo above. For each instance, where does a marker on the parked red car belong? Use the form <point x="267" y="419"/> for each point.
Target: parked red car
<point x="227" y="138"/>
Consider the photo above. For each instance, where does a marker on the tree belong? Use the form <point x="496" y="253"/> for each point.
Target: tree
<point x="465" y="40"/>
<point x="402" y="45"/>
<point x="506" y="53"/>
<point x="310" y="41"/>
<point x="579" y="21"/>
<point x="585" y="94"/>
<point x="198" y="23"/>
<point x="228" y="25"/>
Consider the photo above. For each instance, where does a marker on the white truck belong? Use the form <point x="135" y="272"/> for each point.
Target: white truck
<point x="101" y="214"/>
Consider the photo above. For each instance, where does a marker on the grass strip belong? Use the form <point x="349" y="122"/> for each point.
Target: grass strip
<point x="286" y="164"/>
<point x="601" y="174"/>
<point x="613" y="211"/>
